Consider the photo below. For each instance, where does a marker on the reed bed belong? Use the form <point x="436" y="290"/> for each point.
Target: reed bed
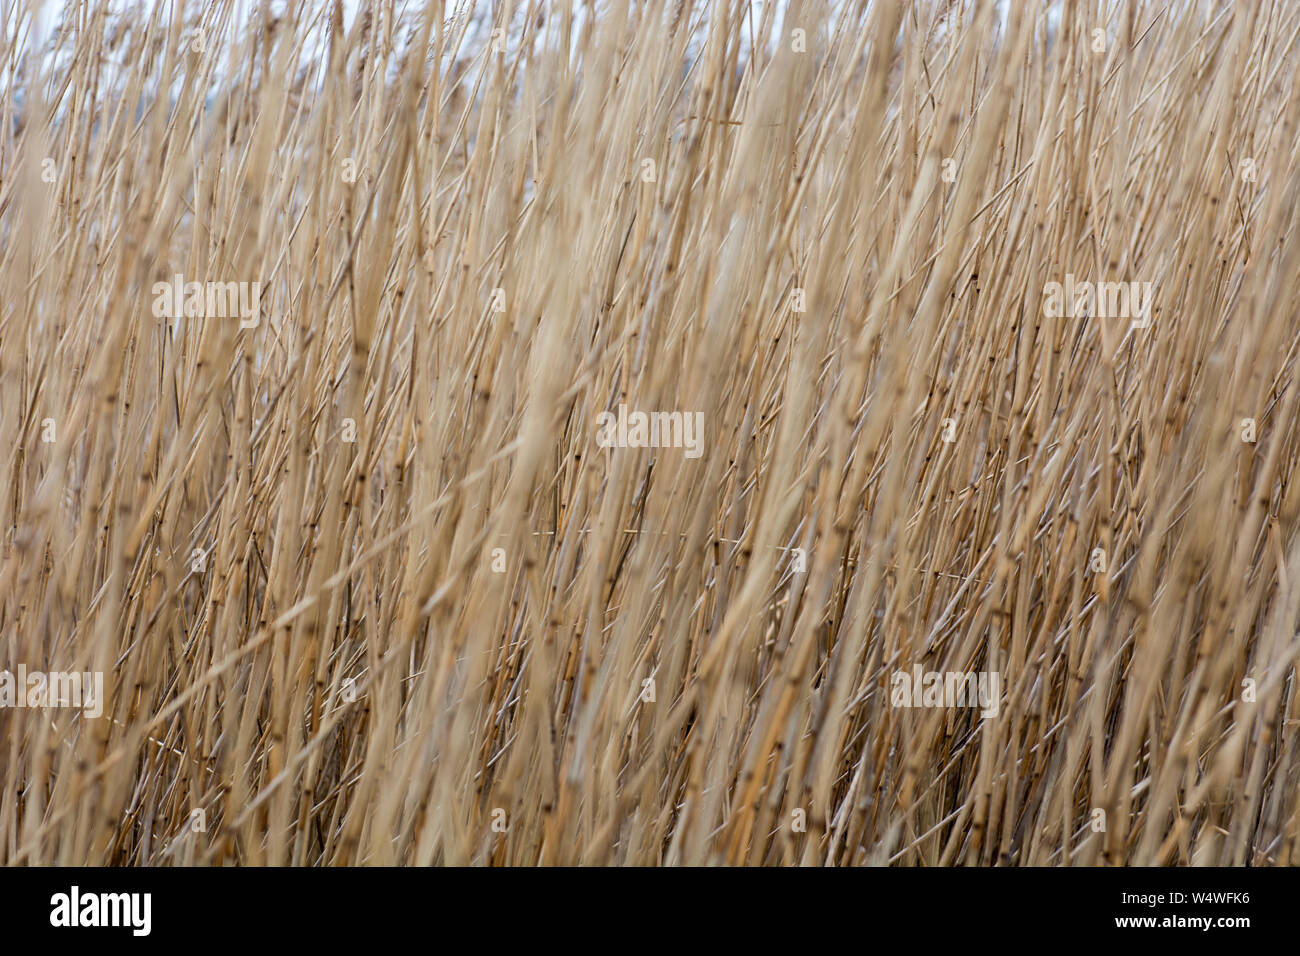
<point x="371" y="580"/>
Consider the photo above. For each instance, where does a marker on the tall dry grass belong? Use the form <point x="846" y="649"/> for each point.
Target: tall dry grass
<point x="473" y="635"/>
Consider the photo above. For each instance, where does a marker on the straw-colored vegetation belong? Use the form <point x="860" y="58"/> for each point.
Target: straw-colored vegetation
<point x="365" y="588"/>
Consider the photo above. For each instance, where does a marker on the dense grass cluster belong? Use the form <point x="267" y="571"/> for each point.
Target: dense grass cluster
<point x="364" y="586"/>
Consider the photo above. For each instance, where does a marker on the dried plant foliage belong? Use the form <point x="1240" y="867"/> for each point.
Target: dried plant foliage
<point x="472" y="635"/>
